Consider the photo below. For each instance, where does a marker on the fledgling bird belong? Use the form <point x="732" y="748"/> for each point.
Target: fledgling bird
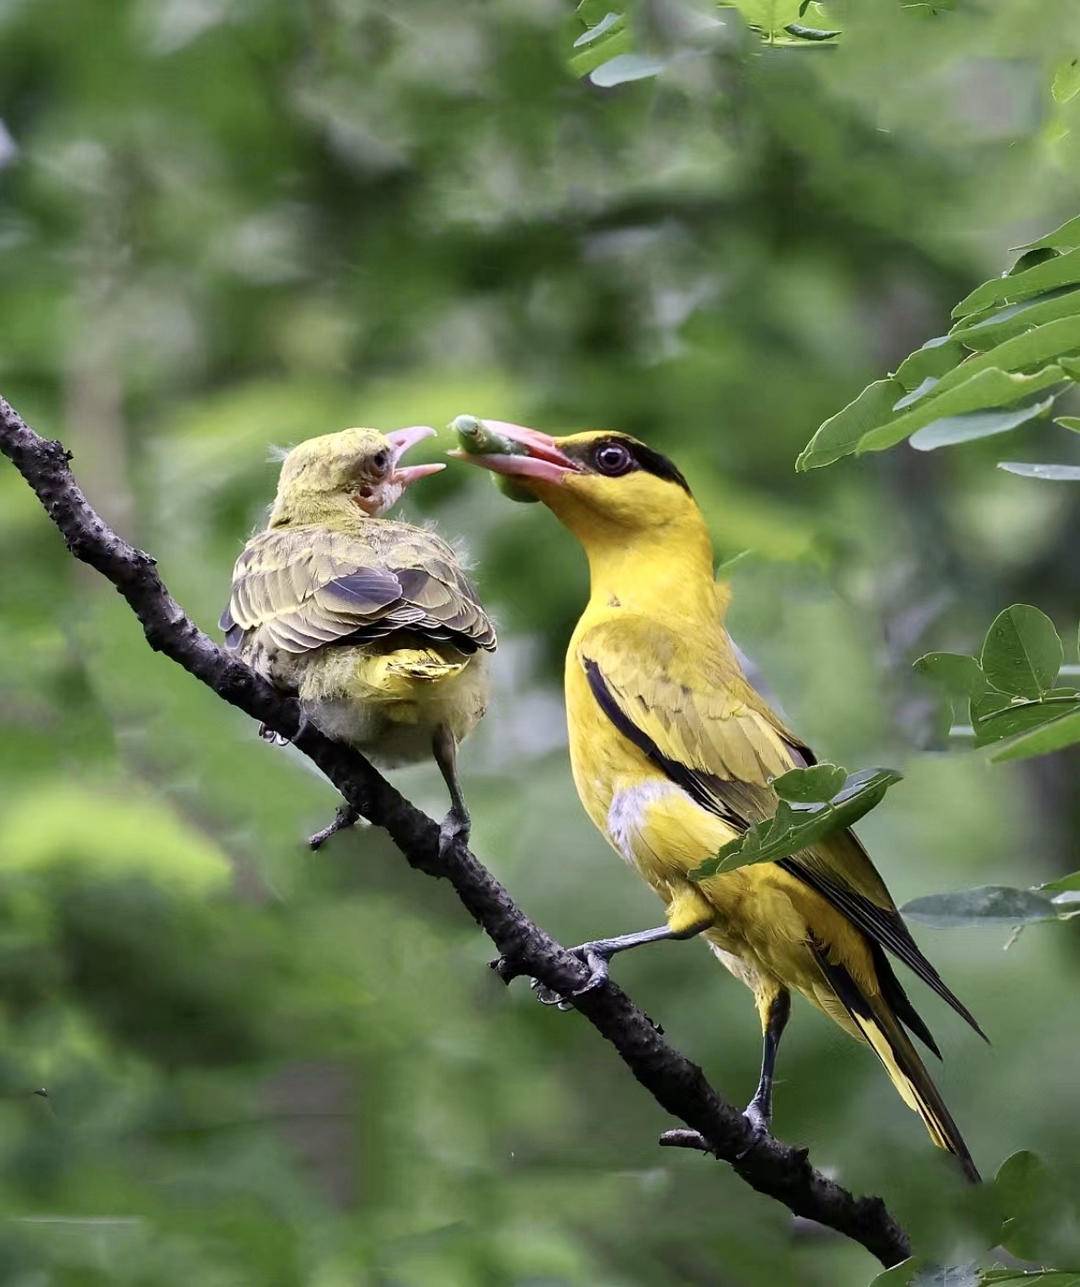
<point x="372" y="623"/>
<point x="673" y="752"/>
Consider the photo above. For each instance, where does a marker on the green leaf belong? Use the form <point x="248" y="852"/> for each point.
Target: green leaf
<point x="1069" y="422"/>
<point x="1029" y="1278"/>
<point x="1022" y="653"/>
<point x="924" y="387"/>
<point x="1002" y="324"/>
<point x="1067" y="237"/>
<point x="816" y="784"/>
<point x="935" y="357"/>
<point x="796" y="826"/>
<point x="606" y="23"/>
<point x="1040" y="1214"/>
<point x="985" y="905"/>
<point x="624" y="68"/>
<point x="769" y="16"/>
<point x="1066" y="82"/>
<point x="919" y="1272"/>
<point x="810" y="33"/>
<point x="986" y="389"/>
<point x="840" y="434"/>
<point x="1053" y="735"/>
<point x="1065" y="884"/>
<point x="1031" y="259"/>
<point x="957" y="672"/>
<point x="617" y="41"/>
<point x="1031" y="348"/>
<point x="1071" y="366"/>
<point x="976" y="424"/>
<point x="1053" y="473"/>
<point x="994" y="722"/>
<point x="1062" y="270"/>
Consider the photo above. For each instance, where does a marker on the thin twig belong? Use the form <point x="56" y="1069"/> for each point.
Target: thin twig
<point x="678" y="1086"/>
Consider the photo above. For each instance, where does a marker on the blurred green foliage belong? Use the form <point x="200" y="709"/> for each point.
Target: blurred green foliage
<point x="225" y="226"/>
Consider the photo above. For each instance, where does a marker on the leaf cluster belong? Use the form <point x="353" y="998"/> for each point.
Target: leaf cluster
<point x="615" y="48"/>
<point x="1013" y="350"/>
<point x="1013" y="688"/>
<point x="813" y="803"/>
<point x="1032" y="1216"/>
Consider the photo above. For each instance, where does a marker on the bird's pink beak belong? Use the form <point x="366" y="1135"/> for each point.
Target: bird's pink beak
<point x="400" y="441"/>
<point x="545" y="461"/>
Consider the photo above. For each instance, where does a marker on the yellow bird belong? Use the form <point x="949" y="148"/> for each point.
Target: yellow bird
<point x="673" y="752"/>
<point x="372" y="623"/>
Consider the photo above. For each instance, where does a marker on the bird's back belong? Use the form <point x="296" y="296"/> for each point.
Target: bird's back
<point x="377" y="627"/>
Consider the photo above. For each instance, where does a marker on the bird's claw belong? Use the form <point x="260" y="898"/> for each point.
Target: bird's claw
<point x="758" y="1119"/>
<point x="548" y="996"/>
<point x="345" y="817"/>
<point x="455" y="829"/>
<point x="591" y="955"/>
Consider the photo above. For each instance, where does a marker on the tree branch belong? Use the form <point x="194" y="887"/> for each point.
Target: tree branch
<point x="715" y="1126"/>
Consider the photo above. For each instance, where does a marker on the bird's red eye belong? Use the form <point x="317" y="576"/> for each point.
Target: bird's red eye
<point x="612" y="458"/>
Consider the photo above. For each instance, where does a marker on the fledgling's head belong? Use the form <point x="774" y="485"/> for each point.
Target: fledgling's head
<point x="342" y="472"/>
<point x="599" y="483"/>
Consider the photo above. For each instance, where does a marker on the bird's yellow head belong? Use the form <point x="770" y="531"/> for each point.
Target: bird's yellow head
<point x="601" y="484"/>
<point x="340" y="474"/>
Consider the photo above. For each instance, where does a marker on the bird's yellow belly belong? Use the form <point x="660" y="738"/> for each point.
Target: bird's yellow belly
<point x="756" y="919"/>
<point x="389" y="704"/>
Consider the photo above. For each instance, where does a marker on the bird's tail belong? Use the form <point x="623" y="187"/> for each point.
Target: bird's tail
<point x="876" y="1019"/>
<point x="394" y="676"/>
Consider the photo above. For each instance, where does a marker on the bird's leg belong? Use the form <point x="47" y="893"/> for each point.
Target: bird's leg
<point x="774" y="1010"/>
<point x="457" y="824"/>
<point x="345" y="817"/>
<point x="688" y="914"/>
<point x="596" y="956"/>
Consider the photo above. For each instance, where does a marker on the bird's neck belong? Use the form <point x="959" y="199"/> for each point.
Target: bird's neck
<point x="665" y="571"/>
<point x="340" y="513"/>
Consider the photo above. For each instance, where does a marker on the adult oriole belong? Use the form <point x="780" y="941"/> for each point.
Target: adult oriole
<point x="673" y="752"/>
<point x="372" y="623"/>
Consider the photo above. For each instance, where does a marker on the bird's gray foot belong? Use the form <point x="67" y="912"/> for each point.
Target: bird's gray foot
<point x="455" y="827"/>
<point x="758" y="1114"/>
<point x="345" y="817"/>
<point x="596" y="956"/>
<point x="278" y="739"/>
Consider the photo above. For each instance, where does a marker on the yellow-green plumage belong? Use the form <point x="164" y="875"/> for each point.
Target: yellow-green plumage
<point x="373" y="623"/>
<point x="673" y="751"/>
<point x="375" y="626"/>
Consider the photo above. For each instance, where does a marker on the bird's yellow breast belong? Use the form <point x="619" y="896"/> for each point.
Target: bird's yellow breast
<point x="651" y="822"/>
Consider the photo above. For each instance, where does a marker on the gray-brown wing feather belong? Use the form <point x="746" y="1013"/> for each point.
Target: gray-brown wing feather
<point x="304" y="588"/>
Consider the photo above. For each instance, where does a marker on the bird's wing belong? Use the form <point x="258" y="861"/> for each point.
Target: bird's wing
<point x="306" y="587"/>
<point x="691" y="711"/>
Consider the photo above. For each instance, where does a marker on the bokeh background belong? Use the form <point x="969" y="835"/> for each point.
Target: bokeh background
<point x="228" y="224"/>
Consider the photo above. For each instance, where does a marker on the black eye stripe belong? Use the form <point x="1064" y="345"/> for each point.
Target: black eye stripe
<point x="633" y="455"/>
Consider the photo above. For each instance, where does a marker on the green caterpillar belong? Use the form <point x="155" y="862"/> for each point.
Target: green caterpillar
<point x="478" y="440"/>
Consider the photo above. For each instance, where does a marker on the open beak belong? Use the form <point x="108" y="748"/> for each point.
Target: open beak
<point x="400" y="441"/>
<point x="541" y="459"/>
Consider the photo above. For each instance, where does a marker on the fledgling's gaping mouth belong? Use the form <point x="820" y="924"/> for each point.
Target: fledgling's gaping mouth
<point x="541" y="458"/>
<point x="400" y="441"/>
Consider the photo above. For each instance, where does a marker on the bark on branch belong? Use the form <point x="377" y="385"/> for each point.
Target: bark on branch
<point x="677" y="1085"/>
